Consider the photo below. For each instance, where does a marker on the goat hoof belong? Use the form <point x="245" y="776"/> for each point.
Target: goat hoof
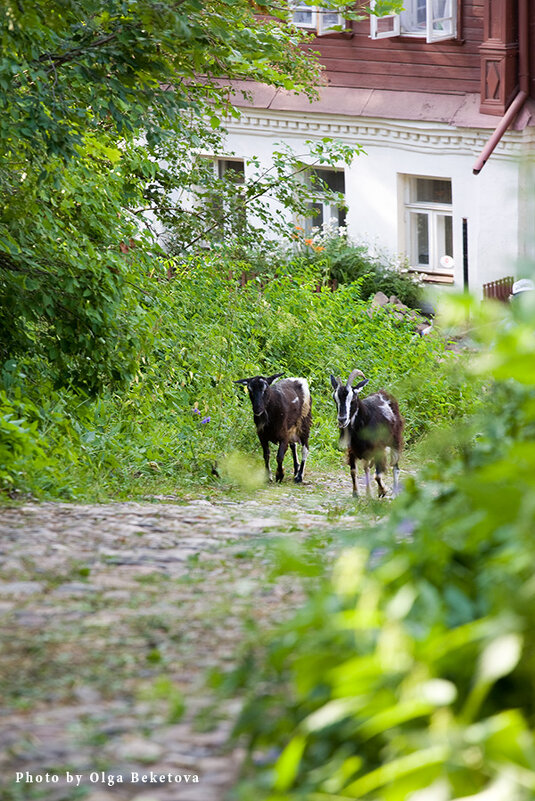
<point x="355" y="494"/>
<point x="298" y="479"/>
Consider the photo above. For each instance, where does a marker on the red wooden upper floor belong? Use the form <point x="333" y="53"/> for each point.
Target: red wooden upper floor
<point x="411" y="54"/>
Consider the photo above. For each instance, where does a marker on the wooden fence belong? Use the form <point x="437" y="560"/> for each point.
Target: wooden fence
<point x="500" y="289"/>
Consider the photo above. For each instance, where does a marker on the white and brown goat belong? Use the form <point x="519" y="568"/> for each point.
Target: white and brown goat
<point x="367" y="428"/>
<point x="282" y="415"/>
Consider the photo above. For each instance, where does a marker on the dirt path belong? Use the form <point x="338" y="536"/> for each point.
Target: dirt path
<point x="111" y="615"/>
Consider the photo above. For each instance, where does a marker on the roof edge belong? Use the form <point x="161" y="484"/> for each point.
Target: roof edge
<point x="459" y="110"/>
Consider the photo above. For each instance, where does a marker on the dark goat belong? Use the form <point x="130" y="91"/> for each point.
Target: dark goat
<point x="367" y="428"/>
<point x="282" y="415"/>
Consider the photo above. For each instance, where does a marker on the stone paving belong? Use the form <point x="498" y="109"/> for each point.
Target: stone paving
<point x="110" y="617"/>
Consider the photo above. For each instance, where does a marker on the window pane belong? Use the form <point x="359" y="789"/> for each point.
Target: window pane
<point x="317" y="218"/>
<point x="329" y="19"/>
<point x="420" y="238"/>
<point x="229" y="211"/>
<point x="414" y="16"/>
<point x="443" y="26"/>
<point x="448" y="233"/>
<point x="442" y="17"/>
<point x="421" y="12"/>
<point x="444" y="236"/>
<point x="431" y="190"/>
<point x="386" y="24"/>
<point x="232" y="168"/>
<point x="334" y="179"/>
<point x="304" y="17"/>
<point x="326" y="212"/>
<point x="441" y="9"/>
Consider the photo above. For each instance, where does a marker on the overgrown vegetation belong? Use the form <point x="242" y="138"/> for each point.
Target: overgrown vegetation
<point x="410" y="674"/>
<point x="343" y="261"/>
<point x="182" y="412"/>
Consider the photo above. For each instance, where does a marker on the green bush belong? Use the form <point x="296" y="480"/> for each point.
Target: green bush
<point x="338" y="260"/>
<point x="411" y="674"/>
<point x="20" y="441"/>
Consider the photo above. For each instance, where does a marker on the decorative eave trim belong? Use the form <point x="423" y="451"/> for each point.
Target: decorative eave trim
<point x="424" y="137"/>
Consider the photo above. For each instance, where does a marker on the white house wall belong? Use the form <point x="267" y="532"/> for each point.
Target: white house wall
<point x="526" y="204"/>
<point x="488" y="201"/>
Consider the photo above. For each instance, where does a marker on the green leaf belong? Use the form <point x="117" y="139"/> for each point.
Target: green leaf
<point x="287" y="765"/>
<point x="398" y="769"/>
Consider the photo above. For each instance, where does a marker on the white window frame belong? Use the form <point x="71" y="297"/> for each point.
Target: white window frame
<point x="221" y="166"/>
<point x="329" y="211"/>
<point x="434" y="211"/>
<point x="431" y="35"/>
<point x="375" y="33"/>
<point x="317" y="23"/>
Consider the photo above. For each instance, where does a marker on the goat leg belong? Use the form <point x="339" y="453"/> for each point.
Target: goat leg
<point x="279" y="475"/>
<point x="293" y="448"/>
<point x="380" y="467"/>
<point x="394" y="458"/>
<point x="265" y="449"/>
<point x="299" y="477"/>
<point x="381" y="492"/>
<point x="367" y="478"/>
<point x="353" y="469"/>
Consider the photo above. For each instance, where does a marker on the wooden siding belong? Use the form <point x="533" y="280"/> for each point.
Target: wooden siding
<point x="354" y="60"/>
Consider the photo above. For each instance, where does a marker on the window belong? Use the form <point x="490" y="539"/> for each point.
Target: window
<point x="230" y="211"/>
<point x="325" y="209"/>
<point x="233" y="169"/>
<point x="318" y="18"/>
<point x="429" y="223"/>
<point x="432" y="20"/>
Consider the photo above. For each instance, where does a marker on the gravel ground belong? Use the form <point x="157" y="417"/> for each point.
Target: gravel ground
<point x="110" y="617"/>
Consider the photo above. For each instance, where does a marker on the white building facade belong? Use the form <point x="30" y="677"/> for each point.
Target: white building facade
<point x="413" y="192"/>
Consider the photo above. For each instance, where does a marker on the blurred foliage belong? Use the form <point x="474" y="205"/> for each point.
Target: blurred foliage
<point x="410" y="675"/>
<point x="182" y="413"/>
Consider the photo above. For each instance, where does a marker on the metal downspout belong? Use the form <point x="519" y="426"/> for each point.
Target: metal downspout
<point x="523" y="93"/>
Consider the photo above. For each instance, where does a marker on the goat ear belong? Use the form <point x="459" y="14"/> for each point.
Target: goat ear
<point x="272" y="378"/>
<point x="335" y="382"/>
<point x="241" y="381"/>
<point x="361" y="385"/>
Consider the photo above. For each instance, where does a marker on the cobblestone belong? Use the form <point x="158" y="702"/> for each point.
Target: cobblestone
<point x="109" y="617"/>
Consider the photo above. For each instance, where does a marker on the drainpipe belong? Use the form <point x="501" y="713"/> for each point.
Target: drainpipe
<point x="523" y="93"/>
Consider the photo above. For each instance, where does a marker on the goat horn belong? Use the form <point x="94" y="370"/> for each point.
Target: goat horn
<point x="353" y="375"/>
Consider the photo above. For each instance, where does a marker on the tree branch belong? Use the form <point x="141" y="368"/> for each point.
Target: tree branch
<point x="57" y="59"/>
<point x="245" y="201"/>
